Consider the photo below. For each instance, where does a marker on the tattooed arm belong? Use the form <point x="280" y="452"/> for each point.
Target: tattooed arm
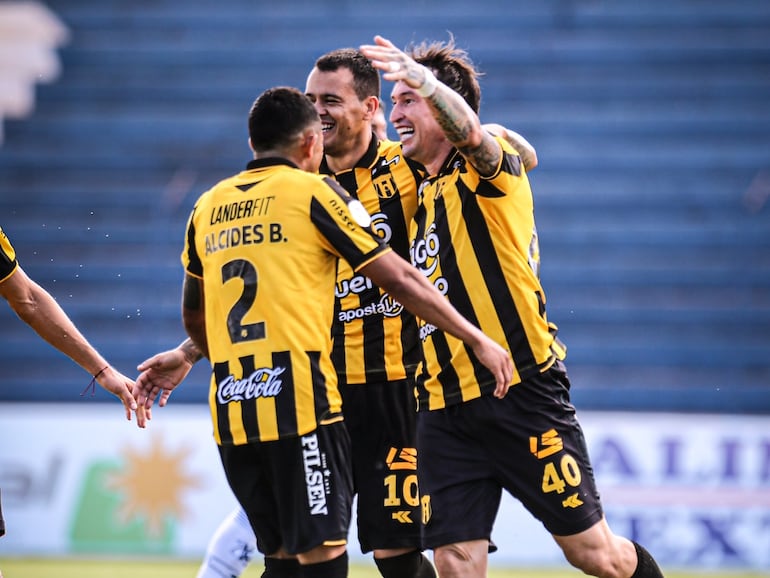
<point x="459" y="122"/>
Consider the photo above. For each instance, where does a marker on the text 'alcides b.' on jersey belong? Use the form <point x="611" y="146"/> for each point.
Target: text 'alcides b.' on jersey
<point x="8" y="261"/>
<point x="266" y="243"/>
<point x="374" y="337"/>
<point x="477" y="243"/>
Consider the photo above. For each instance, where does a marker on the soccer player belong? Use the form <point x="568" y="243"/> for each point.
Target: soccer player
<point x="474" y="238"/>
<point x="36" y="307"/>
<point x="258" y="299"/>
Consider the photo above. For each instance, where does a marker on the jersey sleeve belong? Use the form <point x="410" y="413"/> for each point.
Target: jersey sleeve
<point x="345" y="225"/>
<point x="190" y="258"/>
<point x="507" y="176"/>
<point x="8" y="262"/>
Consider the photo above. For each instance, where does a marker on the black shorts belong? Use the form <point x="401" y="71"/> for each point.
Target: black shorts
<point x="381" y="419"/>
<point x="297" y="492"/>
<point x="528" y="443"/>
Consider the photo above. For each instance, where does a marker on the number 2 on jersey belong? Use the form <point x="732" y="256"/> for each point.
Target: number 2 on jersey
<point x="240" y="332"/>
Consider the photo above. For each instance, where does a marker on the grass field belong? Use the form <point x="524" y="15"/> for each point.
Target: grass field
<point x="74" y="568"/>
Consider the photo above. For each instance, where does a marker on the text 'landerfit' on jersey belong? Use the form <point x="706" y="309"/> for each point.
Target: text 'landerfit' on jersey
<point x="240" y="210"/>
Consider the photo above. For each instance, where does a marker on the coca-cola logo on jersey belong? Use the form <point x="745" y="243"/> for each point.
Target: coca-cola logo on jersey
<point x="263" y="382"/>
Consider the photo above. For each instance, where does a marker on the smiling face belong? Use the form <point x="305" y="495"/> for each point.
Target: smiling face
<point x="345" y="119"/>
<point x="422" y="138"/>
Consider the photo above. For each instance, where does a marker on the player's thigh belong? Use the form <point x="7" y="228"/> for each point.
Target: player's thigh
<point x="251" y="482"/>
<point x="459" y="493"/>
<point x="381" y="422"/>
<point x="312" y="486"/>
<point x="544" y="462"/>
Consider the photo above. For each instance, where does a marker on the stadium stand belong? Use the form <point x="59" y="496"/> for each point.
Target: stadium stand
<point x="29" y="37"/>
<point x="653" y="133"/>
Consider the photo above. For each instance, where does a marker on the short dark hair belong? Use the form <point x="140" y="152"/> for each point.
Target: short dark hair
<point x="366" y="79"/>
<point x="277" y="116"/>
<point x="452" y="66"/>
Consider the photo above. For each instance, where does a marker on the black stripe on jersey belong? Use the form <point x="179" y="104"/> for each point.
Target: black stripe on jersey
<point x="494" y="278"/>
<point x="510" y="164"/>
<point x="344" y="195"/>
<point x="410" y="340"/>
<point x="249" y="408"/>
<point x="7" y="265"/>
<point x="286" y="401"/>
<point x="348" y="182"/>
<point x="458" y="296"/>
<point x="221" y="371"/>
<point x="374" y="352"/>
<point x="327" y="226"/>
<point x="319" y="384"/>
<point x="338" y="340"/>
<point x="194" y="261"/>
<point x="447" y="377"/>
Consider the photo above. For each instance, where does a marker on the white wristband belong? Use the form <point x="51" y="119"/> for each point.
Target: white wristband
<point x="429" y="85"/>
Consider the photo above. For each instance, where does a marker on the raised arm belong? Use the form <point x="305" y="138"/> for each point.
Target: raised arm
<point x="461" y="125"/>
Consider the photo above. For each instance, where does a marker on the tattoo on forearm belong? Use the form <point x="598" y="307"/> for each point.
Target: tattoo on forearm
<point x="453" y="119"/>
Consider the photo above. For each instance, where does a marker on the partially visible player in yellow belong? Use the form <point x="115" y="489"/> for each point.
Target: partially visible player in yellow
<point x="261" y="256"/>
<point x="38" y="309"/>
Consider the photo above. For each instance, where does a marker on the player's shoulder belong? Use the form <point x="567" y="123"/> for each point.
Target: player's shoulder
<point x="389" y="149"/>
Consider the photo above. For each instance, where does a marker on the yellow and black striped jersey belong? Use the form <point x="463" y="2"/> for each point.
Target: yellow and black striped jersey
<point x="375" y="338"/>
<point x="8" y="261"/>
<point x="266" y="243"/>
<point x="475" y="239"/>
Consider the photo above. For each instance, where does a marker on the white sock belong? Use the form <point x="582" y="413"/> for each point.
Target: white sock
<point x="230" y="549"/>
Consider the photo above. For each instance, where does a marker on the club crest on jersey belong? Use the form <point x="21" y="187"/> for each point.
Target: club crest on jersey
<point x="383" y="180"/>
<point x="263" y="382"/>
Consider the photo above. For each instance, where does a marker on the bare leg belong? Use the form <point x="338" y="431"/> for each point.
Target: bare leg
<point x="599" y="552"/>
<point x="462" y="560"/>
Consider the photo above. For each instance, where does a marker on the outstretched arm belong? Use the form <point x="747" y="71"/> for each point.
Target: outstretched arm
<point x="36" y="307"/>
<point x="413" y="290"/>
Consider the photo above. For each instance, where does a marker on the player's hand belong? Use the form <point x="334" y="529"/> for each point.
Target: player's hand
<point x="120" y="386"/>
<point x="395" y="64"/>
<point x="160" y="375"/>
<point x="498" y="361"/>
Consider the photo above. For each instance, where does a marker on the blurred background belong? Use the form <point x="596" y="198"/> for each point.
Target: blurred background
<point x="652" y="125"/>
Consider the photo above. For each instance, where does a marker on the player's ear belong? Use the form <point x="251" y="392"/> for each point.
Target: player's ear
<point x="371" y="104"/>
<point x="309" y="140"/>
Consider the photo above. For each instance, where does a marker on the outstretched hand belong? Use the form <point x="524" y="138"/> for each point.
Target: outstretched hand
<point x="120" y="386"/>
<point x="160" y="375"/>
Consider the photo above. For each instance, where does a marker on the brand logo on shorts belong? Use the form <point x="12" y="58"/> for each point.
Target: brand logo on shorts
<point x="316" y="475"/>
<point x="427" y="511"/>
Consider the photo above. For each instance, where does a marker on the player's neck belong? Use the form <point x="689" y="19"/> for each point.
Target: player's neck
<point x="348" y="159"/>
